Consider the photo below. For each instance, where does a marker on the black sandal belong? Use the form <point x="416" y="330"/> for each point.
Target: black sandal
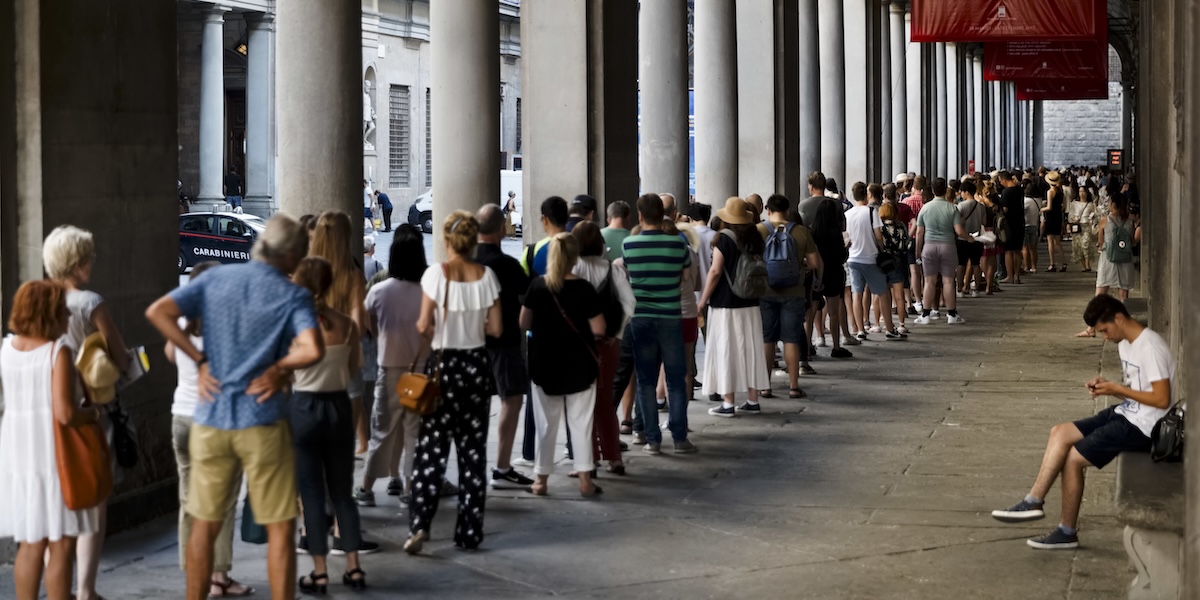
<point x="626" y="427"/>
<point x="765" y="394"/>
<point x="355" y="584"/>
<point x="796" y="393"/>
<point x="314" y="586"/>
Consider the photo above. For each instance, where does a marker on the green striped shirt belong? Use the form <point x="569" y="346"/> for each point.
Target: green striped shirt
<point x="655" y="261"/>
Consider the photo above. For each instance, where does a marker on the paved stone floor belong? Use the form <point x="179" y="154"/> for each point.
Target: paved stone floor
<point x="876" y="486"/>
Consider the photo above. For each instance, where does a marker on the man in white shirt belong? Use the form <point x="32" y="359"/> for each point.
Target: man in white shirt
<point x="368" y="201"/>
<point x="865" y="229"/>
<point x="1146" y="395"/>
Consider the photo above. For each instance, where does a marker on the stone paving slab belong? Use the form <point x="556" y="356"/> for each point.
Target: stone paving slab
<point x="879" y="485"/>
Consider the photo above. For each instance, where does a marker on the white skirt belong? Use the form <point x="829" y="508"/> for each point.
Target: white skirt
<point x="733" y="351"/>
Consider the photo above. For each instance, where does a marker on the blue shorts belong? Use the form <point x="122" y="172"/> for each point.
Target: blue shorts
<point x="867" y="275"/>
<point x="783" y="319"/>
<point x="1107" y="434"/>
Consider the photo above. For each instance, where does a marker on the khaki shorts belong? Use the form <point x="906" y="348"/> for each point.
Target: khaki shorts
<point x="265" y="453"/>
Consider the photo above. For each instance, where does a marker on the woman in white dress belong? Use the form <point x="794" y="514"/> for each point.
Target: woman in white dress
<point x="1121" y="275"/>
<point x="68" y="254"/>
<point x="40" y="389"/>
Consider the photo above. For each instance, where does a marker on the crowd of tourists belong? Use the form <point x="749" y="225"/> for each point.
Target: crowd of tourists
<point x="596" y="325"/>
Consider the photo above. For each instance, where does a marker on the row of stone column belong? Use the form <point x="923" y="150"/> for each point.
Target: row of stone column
<point x="259" y="110"/>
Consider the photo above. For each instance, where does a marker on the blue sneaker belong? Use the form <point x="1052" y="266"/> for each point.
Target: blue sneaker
<point x="1055" y="540"/>
<point x="1021" y="512"/>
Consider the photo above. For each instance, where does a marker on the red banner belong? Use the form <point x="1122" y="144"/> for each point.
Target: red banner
<point x="1042" y="89"/>
<point x="1006" y="20"/>
<point x="1014" y="61"/>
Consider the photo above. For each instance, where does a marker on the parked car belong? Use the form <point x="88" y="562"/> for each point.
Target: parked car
<point x="420" y="214"/>
<point x="222" y="236"/>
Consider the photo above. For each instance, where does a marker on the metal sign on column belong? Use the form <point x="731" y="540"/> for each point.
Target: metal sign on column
<point x="1005" y="20"/>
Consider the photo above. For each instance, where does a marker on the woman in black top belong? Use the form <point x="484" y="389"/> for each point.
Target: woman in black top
<point x="565" y="315"/>
<point x="1053" y="224"/>
<point x="734" y="323"/>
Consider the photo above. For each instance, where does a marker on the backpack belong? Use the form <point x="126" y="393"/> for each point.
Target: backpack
<point x="783" y="266"/>
<point x="750" y="276"/>
<point x="1120" y="249"/>
<point x="1001" y="228"/>
<point x="614" y="313"/>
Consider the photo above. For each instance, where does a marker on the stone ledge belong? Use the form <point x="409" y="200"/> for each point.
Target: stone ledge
<point x="1150" y="495"/>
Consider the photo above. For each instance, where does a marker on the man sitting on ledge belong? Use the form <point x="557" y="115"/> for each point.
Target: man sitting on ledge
<point x="1147" y="393"/>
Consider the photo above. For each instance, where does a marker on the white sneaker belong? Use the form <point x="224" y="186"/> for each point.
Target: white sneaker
<point x="821" y="343"/>
<point x="935" y="313"/>
<point x="955" y="320"/>
<point x="779" y="373"/>
<point x="521" y="462"/>
<point x="974" y="294"/>
<point x="958" y="294"/>
<point x="922" y="320"/>
<point x="851" y="341"/>
<point x="917" y="306"/>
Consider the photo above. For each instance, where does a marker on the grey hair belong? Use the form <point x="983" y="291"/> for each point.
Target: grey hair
<point x="368" y="243"/>
<point x="66" y="249"/>
<point x="283" y="236"/>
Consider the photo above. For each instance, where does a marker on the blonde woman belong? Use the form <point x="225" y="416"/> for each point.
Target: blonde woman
<point x="38" y="376"/>
<point x="331" y="241"/>
<point x="564" y="313"/>
<point x="323" y="433"/>
<point x="459" y="307"/>
<point x="68" y="254"/>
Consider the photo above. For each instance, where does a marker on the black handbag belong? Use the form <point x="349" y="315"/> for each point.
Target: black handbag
<point x="252" y="532"/>
<point x="1166" y="439"/>
<point x="125" y="444"/>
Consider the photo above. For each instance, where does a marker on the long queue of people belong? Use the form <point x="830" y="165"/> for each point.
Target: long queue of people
<point x="597" y="326"/>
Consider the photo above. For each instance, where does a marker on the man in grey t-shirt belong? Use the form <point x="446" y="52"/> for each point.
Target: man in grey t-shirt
<point x="970" y="254"/>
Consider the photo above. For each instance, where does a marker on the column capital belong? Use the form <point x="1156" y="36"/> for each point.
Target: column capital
<point x="261" y="21"/>
<point x="897" y="6"/>
<point x="215" y="14"/>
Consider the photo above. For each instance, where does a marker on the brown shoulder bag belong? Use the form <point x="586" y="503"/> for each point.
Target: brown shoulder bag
<point x="418" y="392"/>
<point x="82" y="455"/>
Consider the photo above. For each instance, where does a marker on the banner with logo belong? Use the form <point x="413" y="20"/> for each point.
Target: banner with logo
<point x="1006" y="20"/>
<point x="1014" y="61"/>
<point x="1041" y="89"/>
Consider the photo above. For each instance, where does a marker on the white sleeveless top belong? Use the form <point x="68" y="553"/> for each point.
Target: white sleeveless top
<point x="31" y="501"/>
<point x="462" y="327"/>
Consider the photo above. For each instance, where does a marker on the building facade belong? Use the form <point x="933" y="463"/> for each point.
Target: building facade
<point x="227" y="100"/>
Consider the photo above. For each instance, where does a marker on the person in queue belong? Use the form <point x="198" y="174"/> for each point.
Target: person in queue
<point x="460" y="307"/>
<point x="240" y="424"/>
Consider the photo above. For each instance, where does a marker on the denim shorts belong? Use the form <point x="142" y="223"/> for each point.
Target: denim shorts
<point x="783" y="319"/>
<point x="1031" y="236"/>
<point x="867" y="275"/>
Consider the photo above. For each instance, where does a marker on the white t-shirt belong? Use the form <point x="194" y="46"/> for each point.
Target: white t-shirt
<point x="187" y="391"/>
<point x="467" y="308"/>
<point x="368" y="200"/>
<point x="861" y="223"/>
<point x="1033" y="212"/>
<point x="1146" y="360"/>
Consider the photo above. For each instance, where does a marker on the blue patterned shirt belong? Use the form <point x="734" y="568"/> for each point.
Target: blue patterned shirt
<point x="250" y="314"/>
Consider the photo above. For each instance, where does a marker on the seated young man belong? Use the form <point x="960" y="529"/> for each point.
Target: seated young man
<point x="1147" y="393"/>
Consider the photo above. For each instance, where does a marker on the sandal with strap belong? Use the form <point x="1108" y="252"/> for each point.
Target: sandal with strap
<point x="356" y="584"/>
<point x="224" y="587"/>
<point x="765" y="394"/>
<point x="314" y="585"/>
<point x="796" y="393"/>
<point x="626" y="427"/>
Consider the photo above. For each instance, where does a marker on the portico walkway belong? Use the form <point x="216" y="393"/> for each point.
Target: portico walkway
<point x="877" y="486"/>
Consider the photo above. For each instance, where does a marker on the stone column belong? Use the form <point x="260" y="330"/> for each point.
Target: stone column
<point x="768" y="129"/>
<point x="912" y="79"/>
<point x="941" y="97"/>
<point x="716" y="101"/>
<point x="212" y="107"/>
<point x="886" y="114"/>
<point x="979" y="87"/>
<point x="968" y="115"/>
<point x="953" y="121"/>
<point x="810" y="88"/>
<point x="899" y="86"/>
<point x="663" y="77"/>
<point x="833" y="97"/>
<point x="1039" y="135"/>
<point x="318" y="77"/>
<point x="260" y="109"/>
<point x="997" y="124"/>
<point x="466" y="91"/>
<point x="1189" y="256"/>
<point x="857" y="86"/>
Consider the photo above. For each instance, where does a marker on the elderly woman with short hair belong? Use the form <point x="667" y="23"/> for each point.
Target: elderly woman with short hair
<point x="68" y="255"/>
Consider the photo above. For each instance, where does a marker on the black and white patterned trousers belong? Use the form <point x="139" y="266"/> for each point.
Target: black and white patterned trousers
<point x="467" y="389"/>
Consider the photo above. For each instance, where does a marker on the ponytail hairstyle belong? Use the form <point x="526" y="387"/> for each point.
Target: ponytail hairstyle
<point x="564" y="253"/>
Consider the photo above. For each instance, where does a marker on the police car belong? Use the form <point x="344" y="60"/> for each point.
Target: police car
<point x="221" y="236"/>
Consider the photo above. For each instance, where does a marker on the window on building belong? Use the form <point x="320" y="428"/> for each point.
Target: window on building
<point x="428" y="140"/>
<point x="399" y="137"/>
<point x="518" y="125"/>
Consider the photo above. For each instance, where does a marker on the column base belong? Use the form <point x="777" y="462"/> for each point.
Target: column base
<point x="1155" y="556"/>
<point x="209" y="204"/>
<point x="263" y="206"/>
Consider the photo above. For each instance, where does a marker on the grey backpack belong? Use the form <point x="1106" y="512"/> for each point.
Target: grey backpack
<point x="750" y="276"/>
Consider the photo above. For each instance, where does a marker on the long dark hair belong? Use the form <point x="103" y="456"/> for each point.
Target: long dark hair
<point x="748" y="238"/>
<point x="406" y="259"/>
